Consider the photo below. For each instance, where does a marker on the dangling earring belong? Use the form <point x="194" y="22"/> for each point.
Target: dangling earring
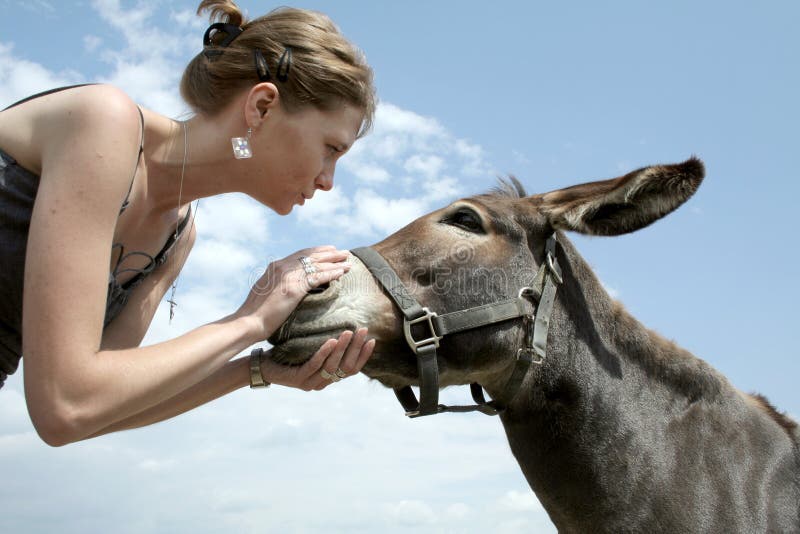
<point x="241" y="146"/>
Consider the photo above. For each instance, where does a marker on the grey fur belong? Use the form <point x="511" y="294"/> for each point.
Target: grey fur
<point x="619" y="430"/>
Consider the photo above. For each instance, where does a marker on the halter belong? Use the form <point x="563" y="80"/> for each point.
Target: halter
<point x="542" y="292"/>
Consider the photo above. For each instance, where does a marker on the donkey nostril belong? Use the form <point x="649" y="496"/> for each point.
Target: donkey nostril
<point x="320" y="288"/>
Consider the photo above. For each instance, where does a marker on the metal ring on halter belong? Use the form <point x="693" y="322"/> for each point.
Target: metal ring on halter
<point x="308" y="266"/>
<point x="328" y="376"/>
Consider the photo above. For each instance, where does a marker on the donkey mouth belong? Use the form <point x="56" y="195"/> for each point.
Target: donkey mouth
<point x="391" y="364"/>
<point x="295" y="345"/>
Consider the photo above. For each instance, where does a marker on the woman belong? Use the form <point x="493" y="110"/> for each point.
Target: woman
<point x="90" y="184"/>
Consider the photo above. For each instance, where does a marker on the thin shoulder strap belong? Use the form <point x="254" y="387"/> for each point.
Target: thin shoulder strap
<point x="138" y="160"/>
<point x="45" y="93"/>
<point x="141" y="127"/>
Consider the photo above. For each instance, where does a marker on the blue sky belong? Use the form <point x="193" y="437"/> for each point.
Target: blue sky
<point x="556" y="93"/>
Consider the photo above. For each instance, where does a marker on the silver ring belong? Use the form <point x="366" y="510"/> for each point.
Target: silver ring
<point x="327" y="376"/>
<point x="340" y="373"/>
<point x="308" y="265"/>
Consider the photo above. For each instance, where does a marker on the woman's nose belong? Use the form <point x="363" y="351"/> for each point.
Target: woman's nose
<point x="325" y="180"/>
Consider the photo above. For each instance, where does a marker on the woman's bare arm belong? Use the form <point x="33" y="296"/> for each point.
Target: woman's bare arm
<point x="74" y="387"/>
<point x="349" y="353"/>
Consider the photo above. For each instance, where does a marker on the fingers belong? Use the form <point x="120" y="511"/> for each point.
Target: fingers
<point x="331" y="363"/>
<point x="323" y="266"/>
<point x="333" y="256"/>
<point x="349" y="350"/>
<point x="321" y="278"/>
<point x="327" y="253"/>
<point x="310" y="377"/>
<point x="364" y="355"/>
<point x="349" y="362"/>
<point x="338" y="358"/>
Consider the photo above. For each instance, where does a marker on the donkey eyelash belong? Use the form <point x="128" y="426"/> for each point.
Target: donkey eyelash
<point x="465" y="219"/>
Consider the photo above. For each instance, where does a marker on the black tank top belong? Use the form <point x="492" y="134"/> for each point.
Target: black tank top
<point x="18" y="188"/>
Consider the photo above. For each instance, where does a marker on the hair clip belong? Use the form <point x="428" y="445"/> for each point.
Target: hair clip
<point x="262" y="69"/>
<point x="231" y="30"/>
<point x="284" y="63"/>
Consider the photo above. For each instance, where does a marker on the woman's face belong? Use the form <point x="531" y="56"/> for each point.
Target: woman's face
<point x="297" y="153"/>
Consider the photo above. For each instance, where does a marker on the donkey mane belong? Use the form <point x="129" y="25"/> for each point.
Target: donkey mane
<point x="508" y="187"/>
<point x="781" y="418"/>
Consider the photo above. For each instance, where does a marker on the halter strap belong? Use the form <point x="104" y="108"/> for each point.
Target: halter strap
<point x="543" y="289"/>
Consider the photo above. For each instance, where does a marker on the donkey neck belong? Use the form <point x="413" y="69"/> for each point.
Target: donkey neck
<point x="597" y="411"/>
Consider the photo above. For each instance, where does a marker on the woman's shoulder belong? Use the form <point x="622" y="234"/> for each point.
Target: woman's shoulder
<point x="74" y="101"/>
<point x="82" y="115"/>
<point x="105" y="104"/>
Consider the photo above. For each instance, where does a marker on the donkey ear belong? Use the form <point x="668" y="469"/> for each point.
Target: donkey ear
<point x="625" y="204"/>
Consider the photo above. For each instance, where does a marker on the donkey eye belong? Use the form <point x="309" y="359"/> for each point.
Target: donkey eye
<point x="466" y="220"/>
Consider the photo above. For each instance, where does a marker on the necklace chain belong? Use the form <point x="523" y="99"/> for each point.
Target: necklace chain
<point x="183" y="172"/>
<point x="174" y="287"/>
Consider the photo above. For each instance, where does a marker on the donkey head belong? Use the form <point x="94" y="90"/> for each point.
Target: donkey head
<point x="473" y="252"/>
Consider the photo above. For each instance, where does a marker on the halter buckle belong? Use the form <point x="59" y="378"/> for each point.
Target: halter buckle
<point x="427" y="318"/>
<point x="530" y="355"/>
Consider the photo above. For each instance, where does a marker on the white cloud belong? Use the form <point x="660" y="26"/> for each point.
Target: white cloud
<point x="414" y="144"/>
<point x="13" y="444"/>
<point x="408" y="166"/>
<point x="368" y="214"/>
<point x="411" y="513"/>
<point x="91" y="43"/>
<point x="327" y="209"/>
<point x="233" y="217"/>
<point x="156" y="465"/>
<point x="445" y="188"/>
<point x="516" y="501"/>
<point x="386" y="215"/>
<point x="473" y="156"/>
<point x="150" y="65"/>
<point x="429" y="166"/>
<point x="224" y="262"/>
<point x="457" y="510"/>
<point x="187" y="18"/>
<point x="13" y="413"/>
<point x="391" y="118"/>
<point x="20" y="78"/>
<point x="372" y="173"/>
<point x="38" y="6"/>
<point x="260" y="460"/>
<point x="129" y="21"/>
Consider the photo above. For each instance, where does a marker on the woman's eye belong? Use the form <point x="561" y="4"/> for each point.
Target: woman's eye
<point x="466" y="220"/>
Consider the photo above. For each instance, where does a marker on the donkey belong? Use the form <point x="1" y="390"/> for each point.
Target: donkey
<point x="615" y="428"/>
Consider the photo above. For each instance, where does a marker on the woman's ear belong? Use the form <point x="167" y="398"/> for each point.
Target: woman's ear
<point x="261" y="100"/>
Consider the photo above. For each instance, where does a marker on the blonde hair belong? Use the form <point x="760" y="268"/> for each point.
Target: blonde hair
<point x="326" y="69"/>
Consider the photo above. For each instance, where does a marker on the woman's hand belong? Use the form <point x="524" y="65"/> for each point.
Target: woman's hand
<point x="345" y="356"/>
<point x="285" y="282"/>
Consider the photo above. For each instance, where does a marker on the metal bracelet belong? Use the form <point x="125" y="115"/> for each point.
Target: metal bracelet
<point x="256" y="378"/>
